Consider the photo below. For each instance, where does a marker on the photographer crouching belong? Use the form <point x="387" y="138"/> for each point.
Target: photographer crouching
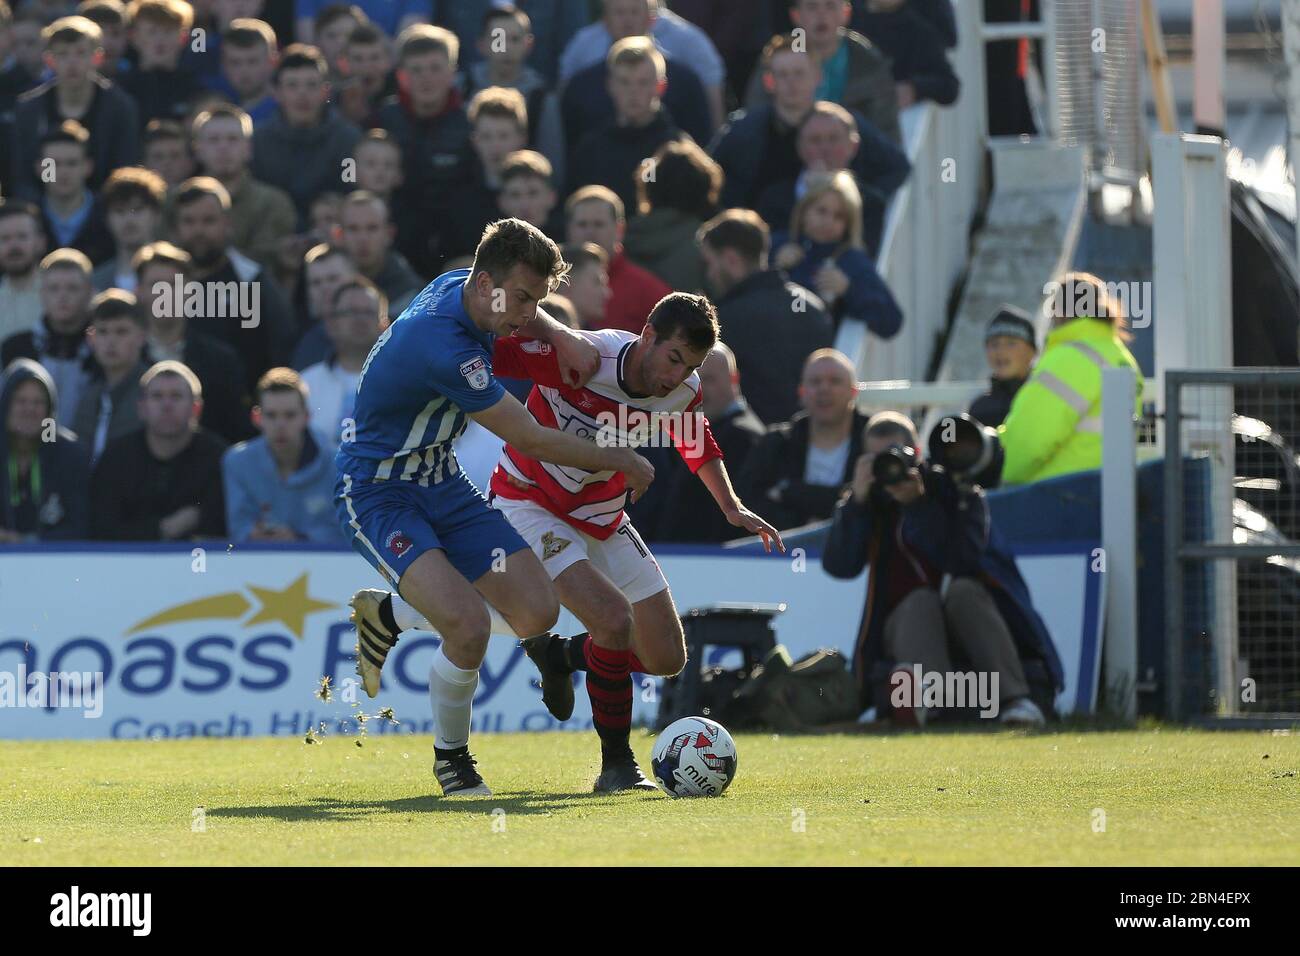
<point x="919" y="524"/>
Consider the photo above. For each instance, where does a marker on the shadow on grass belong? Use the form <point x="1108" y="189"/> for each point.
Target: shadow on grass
<point x="325" y="809"/>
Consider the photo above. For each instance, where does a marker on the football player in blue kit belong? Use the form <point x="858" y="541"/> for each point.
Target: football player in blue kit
<point x="408" y="509"/>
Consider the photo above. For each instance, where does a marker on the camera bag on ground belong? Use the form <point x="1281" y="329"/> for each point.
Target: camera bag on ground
<point x="798" y="696"/>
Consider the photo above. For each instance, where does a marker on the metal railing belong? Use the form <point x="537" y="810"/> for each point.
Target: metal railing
<point x="1232" y="543"/>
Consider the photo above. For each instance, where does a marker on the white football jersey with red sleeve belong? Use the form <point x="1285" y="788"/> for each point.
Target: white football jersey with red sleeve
<point x="602" y="411"/>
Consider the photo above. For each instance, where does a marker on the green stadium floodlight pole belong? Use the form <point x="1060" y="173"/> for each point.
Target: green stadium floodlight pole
<point x="1119" y="539"/>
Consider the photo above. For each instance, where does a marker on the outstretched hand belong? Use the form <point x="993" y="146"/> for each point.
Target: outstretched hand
<point x="744" y="518"/>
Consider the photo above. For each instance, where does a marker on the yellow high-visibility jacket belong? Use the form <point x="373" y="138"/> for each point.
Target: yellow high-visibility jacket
<point x="1054" y="426"/>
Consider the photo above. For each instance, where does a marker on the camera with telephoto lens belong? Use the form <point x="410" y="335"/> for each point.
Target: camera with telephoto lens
<point x="892" y="465"/>
<point x="963" y="446"/>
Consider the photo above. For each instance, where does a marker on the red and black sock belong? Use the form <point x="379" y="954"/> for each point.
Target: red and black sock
<point x="609" y="685"/>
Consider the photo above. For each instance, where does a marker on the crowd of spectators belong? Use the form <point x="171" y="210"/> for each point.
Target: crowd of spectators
<point x="210" y="212"/>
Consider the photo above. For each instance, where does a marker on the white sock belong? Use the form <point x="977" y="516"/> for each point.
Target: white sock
<point x="451" y="692"/>
<point x="409" y="619"/>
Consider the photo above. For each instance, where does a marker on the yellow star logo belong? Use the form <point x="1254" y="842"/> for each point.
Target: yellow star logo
<point x="290" y="605"/>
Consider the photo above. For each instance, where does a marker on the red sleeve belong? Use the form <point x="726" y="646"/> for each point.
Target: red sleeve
<point x="694" y="442"/>
<point x="516" y="357"/>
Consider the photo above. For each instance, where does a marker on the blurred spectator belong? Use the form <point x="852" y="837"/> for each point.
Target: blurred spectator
<point x="1007" y="64"/>
<point x="528" y="192"/>
<point x="738" y="29"/>
<point x="252" y="314"/>
<point x="216" y="17"/>
<point x="22" y="245"/>
<point x="133" y="204"/>
<point x="427" y="121"/>
<point x="72" y="216"/>
<point x="1054" y="425"/>
<point x="675" y="195"/>
<point x="59" y="341"/>
<point x="506" y="44"/>
<point x="248" y="56"/>
<point x="771" y="324"/>
<point x="854" y="73"/>
<point x="679" y="40"/>
<point x="560" y="307"/>
<point x="551" y="23"/>
<point x="167" y="152"/>
<point x="261" y="216"/>
<point x="611" y="155"/>
<point x="595" y="214"/>
<point x="938" y="14"/>
<point x="587" y="284"/>
<point x="694" y="515"/>
<point x="162" y="272"/>
<point x="368" y="65"/>
<point x="161" y="482"/>
<point x="72" y="46"/>
<point x="334" y="24"/>
<point x="391" y="17"/>
<point x="326" y="268"/>
<point x="111" y="18"/>
<point x="160" y="30"/>
<point x="107" y="409"/>
<point x="801" y="467"/>
<point x="357" y="313"/>
<point x="28" y="50"/>
<point x="585" y="103"/>
<point x="760" y="147"/>
<point x="912" y="533"/>
<point x="15" y="79"/>
<point x="303" y="147"/>
<point x="824" y="252"/>
<point x="915" y="43"/>
<point x="1010" y="346"/>
<point x="43" y="474"/>
<point x="829" y="140"/>
<point x="280" y="485"/>
<point x="366" y="235"/>
<point x="499" y="127"/>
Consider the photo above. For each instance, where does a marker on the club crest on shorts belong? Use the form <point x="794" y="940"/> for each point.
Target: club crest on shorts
<point x="476" y="373"/>
<point x="551" y="545"/>
<point x="398" y="543"/>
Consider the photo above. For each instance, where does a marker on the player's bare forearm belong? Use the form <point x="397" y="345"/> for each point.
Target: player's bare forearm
<point x="578" y="358"/>
<point x="714" y="475"/>
<point x="513" y="423"/>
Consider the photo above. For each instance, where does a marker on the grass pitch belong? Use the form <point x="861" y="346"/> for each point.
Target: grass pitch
<point x="1151" y="796"/>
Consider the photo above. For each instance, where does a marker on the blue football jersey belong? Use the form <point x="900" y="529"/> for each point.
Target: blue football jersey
<point x="426" y="371"/>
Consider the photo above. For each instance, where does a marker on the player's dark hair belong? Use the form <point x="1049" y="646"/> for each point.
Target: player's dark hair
<point x="740" y="229"/>
<point x="160" y="130"/>
<point x="340" y="11"/>
<point x="507" y="243"/>
<point x="684" y="178"/>
<point x="693" y="317"/>
<point x="366" y="34"/>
